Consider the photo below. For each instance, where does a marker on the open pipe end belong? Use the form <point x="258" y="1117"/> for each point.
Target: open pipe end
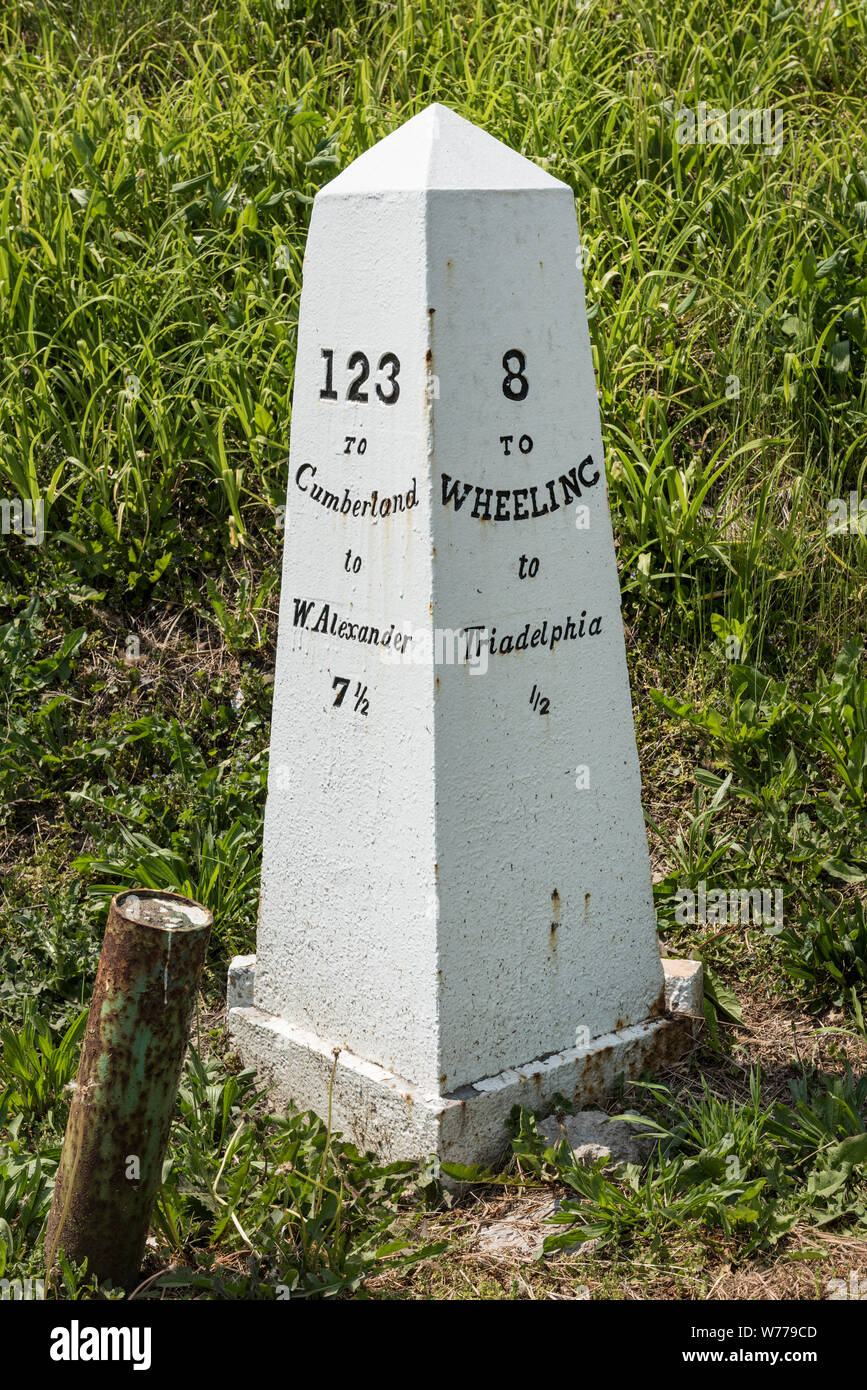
<point x="146" y="907"/>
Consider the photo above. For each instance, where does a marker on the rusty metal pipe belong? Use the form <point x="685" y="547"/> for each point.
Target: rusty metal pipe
<point x="124" y="1093"/>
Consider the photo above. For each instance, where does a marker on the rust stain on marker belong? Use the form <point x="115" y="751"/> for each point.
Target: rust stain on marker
<point x="555" y="910"/>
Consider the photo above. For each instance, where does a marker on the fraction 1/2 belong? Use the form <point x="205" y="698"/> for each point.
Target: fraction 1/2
<point x="539" y="702"/>
<point x="341" y="685"/>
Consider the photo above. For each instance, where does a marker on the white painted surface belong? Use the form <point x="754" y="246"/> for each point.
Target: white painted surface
<point x="396" y="1118"/>
<point x="417" y="857"/>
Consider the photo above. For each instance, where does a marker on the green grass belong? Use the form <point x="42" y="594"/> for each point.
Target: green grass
<point x="157" y="167"/>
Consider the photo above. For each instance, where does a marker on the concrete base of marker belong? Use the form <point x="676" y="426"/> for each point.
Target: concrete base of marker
<point x="396" y="1120"/>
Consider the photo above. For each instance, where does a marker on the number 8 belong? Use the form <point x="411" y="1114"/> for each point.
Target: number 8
<point x="509" y="390"/>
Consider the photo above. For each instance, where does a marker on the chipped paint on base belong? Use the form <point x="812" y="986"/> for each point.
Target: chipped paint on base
<point x="381" y="1111"/>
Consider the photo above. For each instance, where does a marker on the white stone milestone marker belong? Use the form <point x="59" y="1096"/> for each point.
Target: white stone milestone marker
<point x="455" y="886"/>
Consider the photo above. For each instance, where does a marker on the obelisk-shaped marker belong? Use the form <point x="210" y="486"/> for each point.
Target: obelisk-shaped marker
<point x="455" y="886"/>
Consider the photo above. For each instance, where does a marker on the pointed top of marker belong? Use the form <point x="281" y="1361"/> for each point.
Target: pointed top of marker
<point x="438" y="149"/>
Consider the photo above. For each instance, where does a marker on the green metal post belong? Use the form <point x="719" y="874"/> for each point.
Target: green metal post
<point x="127" y="1082"/>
